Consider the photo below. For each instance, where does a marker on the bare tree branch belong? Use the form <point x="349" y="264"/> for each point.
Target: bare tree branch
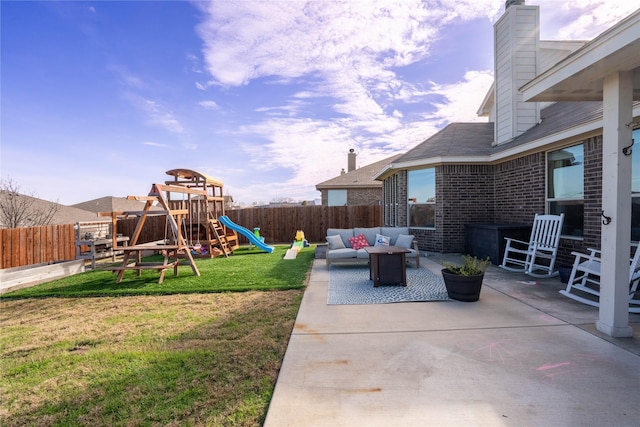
<point x="23" y="210"/>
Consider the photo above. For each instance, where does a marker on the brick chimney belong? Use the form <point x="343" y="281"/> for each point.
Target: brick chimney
<point x="351" y="160"/>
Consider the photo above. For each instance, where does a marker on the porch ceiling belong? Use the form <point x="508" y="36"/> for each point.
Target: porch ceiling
<point x="580" y="76"/>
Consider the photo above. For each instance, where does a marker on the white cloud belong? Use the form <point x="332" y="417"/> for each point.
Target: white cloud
<point x="154" y="144"/>
<point x="209" y="105"/>
<point x="581" y="19"/>
<point x="157" y="114"/>
<point x="350" y="53"/>
<point x="462" y="99"/>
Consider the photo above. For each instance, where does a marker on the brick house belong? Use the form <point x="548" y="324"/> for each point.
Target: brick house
<point x="356" y="186"/>
<point x="560" y="113"/>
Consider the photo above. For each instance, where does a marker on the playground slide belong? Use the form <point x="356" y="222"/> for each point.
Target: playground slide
<point x="246" y="233"/>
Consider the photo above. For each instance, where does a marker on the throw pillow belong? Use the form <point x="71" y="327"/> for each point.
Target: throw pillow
<point x="404" y="241"/>
<point x="335" y="242"/>
<point x="382" y="240"/>
<point x="358" y="242"/>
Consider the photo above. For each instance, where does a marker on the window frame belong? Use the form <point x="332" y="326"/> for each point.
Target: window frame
<point x="430" y="203"/>
<point x="336" y="191"/>
<point x="568" y="201"/>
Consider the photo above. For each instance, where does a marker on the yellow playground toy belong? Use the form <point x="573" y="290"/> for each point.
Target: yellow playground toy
<point x="299" y="243"/>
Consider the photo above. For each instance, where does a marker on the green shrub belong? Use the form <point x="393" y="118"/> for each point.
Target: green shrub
<point x="472" y="266"/>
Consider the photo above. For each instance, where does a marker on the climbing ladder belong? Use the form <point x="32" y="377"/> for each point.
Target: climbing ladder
<point x="220" y="235"/>
<point x="205" y="203"/>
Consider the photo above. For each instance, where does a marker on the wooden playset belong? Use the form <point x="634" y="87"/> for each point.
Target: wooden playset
<point x="206" y="235"/>
<point x="191" y="204"/>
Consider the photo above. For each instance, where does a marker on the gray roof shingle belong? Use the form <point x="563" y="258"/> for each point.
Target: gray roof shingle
<point x="456" y="139"/>
<point x="63" y="215"/>
<point x="110" y="204"/>
<point x="358" y="178"/>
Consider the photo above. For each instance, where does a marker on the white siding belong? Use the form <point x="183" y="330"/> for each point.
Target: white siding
<point x="552" y="52"/>
<point x="516" y="62"/>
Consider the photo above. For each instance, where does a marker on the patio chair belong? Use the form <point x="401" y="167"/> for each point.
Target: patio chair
<point x="584" y="282"/>
<point x="537" y="257"/>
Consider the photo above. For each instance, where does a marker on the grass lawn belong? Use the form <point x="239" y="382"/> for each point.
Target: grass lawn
<point x="206" y="350"/>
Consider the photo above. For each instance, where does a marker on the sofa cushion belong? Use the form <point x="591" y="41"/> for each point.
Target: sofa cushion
<point x="344" y="234"/>
<point x="382" y="240"/>
<point x="335" y="242"/>
<point x="393" y="233"/>
<point x="358" y="242"/>
<point x="404" y="241"/>
<point x="362" y="254"/>
<point x="344" y="253"/>
<point x="369" y="233"/>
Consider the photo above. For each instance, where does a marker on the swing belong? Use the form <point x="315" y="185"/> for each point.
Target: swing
<point x="197" y="246"/>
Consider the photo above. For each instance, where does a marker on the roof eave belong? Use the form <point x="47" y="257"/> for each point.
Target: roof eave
<point x="614" y="50"/>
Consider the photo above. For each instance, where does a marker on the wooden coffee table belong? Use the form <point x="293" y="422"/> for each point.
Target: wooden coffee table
<point x="387" y="265"/>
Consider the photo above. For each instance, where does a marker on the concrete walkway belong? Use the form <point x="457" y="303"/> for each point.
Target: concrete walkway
<point x="523" y="355"/>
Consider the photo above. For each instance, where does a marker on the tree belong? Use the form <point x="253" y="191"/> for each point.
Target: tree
<point x="23" y="210"/>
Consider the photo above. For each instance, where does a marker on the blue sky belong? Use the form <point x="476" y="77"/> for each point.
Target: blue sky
<point x="101" y="98"/>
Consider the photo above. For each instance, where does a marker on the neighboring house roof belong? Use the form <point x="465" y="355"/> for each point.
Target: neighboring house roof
<point x="71" y="215"/>
<point x="358" y="178"/>
<point x="110" y="204"/>
<point x="63" y="215"/>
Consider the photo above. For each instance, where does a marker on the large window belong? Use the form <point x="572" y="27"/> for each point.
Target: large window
<point x="336" y="197"/>
<point x="565" y="188"/>
<point x="422" y="197"/>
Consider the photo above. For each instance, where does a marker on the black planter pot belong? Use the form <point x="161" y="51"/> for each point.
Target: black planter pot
<point x="462" y="288"/>
<point x="565" y="273"/>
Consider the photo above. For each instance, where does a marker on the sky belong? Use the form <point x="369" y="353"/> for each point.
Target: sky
<point x="101" y="98"/>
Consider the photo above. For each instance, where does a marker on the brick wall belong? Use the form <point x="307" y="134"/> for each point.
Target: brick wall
<point x="464" y="194"/>
<point x="508" y="192"/>
<point x="357" y="196"/>
<point x="402" y="199"/>
<point x="519" y="188"/>
<point x="364" y="196"/>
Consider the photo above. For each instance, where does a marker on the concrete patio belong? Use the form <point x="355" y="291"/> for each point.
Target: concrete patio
<point x="523" y="355"/>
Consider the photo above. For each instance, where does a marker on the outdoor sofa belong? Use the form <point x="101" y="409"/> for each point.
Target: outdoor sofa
<point x="341" y="242"/>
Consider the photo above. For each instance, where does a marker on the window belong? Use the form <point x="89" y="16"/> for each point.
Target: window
<point x="337" y="197"/>
<point x="565" y="188"/>
<point x="635" y="187"/>
<point x="391" y="201"/>
<point x="422" y="197"/>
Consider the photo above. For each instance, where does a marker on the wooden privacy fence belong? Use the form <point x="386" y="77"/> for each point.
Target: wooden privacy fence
<point x="279" y="225"/>
<point x="35" y="245"/>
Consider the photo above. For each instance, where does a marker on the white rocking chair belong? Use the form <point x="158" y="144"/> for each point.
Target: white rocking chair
<point x="537" y="257"/>
<point x="584" y="282"/>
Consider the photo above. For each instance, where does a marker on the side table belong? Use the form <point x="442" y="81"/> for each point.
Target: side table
<point x="387" y="265"/>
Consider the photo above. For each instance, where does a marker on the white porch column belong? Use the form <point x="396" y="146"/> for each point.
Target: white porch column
<point x="616" y="203"/>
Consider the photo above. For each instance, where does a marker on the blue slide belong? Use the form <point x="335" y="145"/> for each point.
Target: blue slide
<point x="245" y="232"/>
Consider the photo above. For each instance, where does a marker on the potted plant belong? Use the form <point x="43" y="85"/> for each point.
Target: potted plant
<point x="463" y="282"/>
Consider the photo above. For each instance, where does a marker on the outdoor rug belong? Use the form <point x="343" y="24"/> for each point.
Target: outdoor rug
<point x="351" y="285"/>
